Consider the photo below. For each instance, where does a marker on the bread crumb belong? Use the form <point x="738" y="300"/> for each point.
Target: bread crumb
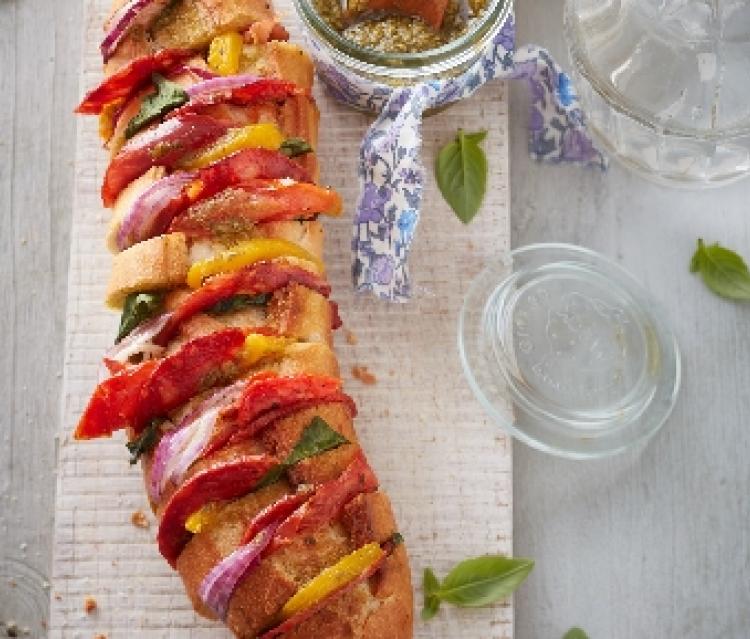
<point x="89" y="605"/>
<point x="363" y="375"/>
<point x="351" y="338"/>
<point x="58" y="596"/>
<point x="100" y="636"/>
<point x="139" y="519"/>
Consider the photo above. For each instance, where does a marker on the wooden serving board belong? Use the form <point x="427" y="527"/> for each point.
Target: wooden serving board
<point x="446" y="468"/>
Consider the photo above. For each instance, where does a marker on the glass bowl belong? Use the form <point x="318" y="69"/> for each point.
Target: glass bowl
<point x="664" y="84"/>
<point x="343" y="65"/>
<point x="575" y="345"/>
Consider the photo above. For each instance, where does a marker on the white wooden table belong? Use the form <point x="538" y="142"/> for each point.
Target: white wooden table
<point x="648" y="545"/>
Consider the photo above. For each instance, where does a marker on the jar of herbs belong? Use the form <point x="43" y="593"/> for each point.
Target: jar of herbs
<point x="365" y="50"/>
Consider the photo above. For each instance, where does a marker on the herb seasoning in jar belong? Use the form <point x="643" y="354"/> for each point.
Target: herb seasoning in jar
<point x="359" y="67"/>
<point x="384" y="31"/>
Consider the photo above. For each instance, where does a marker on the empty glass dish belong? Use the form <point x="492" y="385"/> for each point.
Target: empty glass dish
<point x="665" y="84"/>
<point x="575" y="345"/>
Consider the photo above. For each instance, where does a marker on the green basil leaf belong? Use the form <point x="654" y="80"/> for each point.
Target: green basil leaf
<point x="722" y="270"/>
<point x="461" y="172"/>
<point x="145" y="442"/>
<point x="294" y="147"/>
<point x="138" y="308"/>
<point x="168" y="96"/>
<point x="271" y="477"/>
<point x="483" y="580"/>
<point x="575" y="633"/>
<point x="430" y="585"/>
<point x="315" y="440"/>
<point x="239" y="302"/>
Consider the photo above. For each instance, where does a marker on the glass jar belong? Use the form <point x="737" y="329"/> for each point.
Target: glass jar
<point x="577" y="347"/>
<point x="664" y="84"/>
<point x="349" y="70"/>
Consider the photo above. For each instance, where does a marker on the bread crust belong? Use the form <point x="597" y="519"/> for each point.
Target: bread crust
<point x="163" y="261"/>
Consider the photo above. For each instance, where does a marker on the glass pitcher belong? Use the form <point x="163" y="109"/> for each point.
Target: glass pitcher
<point x="666" y="84"/>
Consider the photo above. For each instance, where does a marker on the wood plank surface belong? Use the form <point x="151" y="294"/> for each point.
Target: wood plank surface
<point x="445" y="468"/>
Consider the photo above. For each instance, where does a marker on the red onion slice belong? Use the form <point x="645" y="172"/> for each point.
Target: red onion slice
<point x="139" y="342"/>
<point x="218" y="586"/>
<point x="181" y="447"/>
<point x="151" y="214"/>
<point x="135" y="12"/>
<point x="198" y="72"/>
<point x="220" y="84"/>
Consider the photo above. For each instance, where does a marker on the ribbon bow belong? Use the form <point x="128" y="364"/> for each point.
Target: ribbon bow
<point x="391" y="172"/>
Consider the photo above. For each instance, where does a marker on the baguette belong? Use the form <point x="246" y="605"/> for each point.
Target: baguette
<point x="224" y="373"/>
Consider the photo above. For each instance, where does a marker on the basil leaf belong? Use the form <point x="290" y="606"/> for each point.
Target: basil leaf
<point x="138" y="308"/>
<point x="315" y="440"/>
<point x="271" y="477"/>
<point x="575" y="633"/>
<point x="168" y="96"/>
<point x="145" y="442"/>
<point x="238" y="302"/>
<point x="294" y="147"/>
<point x="430" y="585"/>
<point x="461" y="172"/>
<point x="483" y="580"/>
<point x="722" y="270"/>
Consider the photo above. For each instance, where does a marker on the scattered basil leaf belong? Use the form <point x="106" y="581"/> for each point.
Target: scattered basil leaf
<point x="294" y="147"/>
<point x="575" y="633"/>
<point x="461" y="172"/>
<point x="722" y="270"/>
<point x="138" y="308"/>
<point x="145" y="442"/>
<point x="316" y="439"/>
<point x="430" y="585"/>
<point x="476" y="582"/>
<point x="168" y="96"/>
<point x="239" y="302"/>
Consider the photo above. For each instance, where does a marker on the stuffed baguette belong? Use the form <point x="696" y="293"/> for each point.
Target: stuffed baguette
<point x="223" y="372"/>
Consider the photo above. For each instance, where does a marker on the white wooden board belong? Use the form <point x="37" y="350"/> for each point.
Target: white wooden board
<point x="446" y="468"/>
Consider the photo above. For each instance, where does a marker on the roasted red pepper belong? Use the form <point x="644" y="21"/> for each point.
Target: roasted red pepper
<point x="302" y="616"/>
<point x="326" y="504"/>
<point x="113" y="404"/>
<point x="225" y="481"/>
<point x="244" y="205"/>
<point x="265" y="401"/>
<point x="257" y="90"/>
<point x="278" y="511"/>
<point x="263" y="277"/>
<point x="131" y="78"/>
<point x="174" y="198"/>
<point x="133" y="397"/>
<point x="164" y="145"/>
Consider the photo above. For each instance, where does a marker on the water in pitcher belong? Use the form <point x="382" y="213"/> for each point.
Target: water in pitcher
<point x="665" y="83"/>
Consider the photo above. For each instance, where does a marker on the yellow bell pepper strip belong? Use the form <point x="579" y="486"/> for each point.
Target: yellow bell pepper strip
<point x="331" y="583"/>
<point x="244" y="254"/>
<point x="225" y="53"/>
<point x="333" y="578"/>
<point x="259" y="347"/>
<point x="201" y="519"/>
<point x="254" y="136"/>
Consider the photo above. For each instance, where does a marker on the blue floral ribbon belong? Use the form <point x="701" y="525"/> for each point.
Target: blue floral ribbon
<point x="391" y="171"/>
